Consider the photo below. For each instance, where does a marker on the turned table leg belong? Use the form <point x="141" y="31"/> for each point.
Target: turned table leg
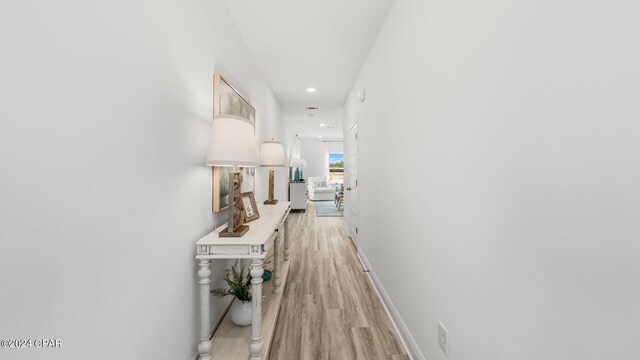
<point x="255" y="348"/>
<point x="285" y="237"/>
<point x="204" y="347"/>
<point x="277" y="263"/>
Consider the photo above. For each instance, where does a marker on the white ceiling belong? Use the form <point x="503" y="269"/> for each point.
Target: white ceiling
<point x="302" y="43"/>
<point x="306" y="126"/>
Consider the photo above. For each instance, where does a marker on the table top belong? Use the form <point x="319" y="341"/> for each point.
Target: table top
<point x="260" y="229"/>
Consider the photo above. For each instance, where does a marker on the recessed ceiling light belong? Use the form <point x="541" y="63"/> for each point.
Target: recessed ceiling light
<point x="311" y="90"/>
<point x="319" y="135"/>
<point x="323" y="124"/>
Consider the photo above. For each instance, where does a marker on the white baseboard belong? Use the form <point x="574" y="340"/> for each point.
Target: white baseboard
<point x="401" y="328"/>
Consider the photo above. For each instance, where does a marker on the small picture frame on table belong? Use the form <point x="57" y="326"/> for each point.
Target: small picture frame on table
<point x="249" y="207"/>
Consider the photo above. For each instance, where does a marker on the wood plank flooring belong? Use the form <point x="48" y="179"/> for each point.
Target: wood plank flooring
<point x="330" y="310"/>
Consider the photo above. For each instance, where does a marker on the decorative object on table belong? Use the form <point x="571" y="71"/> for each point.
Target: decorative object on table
<point x="271" y="155"/>
<point x="232" y="144"/>
<point x="221" y="185"/>
<point x="228" y="101"/>
<point x="298" y="164"/>
<point x="304" y="166"/>
<point x="249" y="207"/>
<point x="239" y="286"/>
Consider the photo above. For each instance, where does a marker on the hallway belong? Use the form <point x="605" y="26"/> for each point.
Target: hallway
<point x="330" y="309"/>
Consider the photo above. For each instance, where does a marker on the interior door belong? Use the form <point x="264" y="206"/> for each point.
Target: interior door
<point x="352" y="185"/>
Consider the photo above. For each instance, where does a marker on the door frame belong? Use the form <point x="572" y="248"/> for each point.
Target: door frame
<point x="350" y="217"/>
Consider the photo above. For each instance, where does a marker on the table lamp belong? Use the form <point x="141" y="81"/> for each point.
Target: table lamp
<point x="271" y="155"/>
<point x="297" y="163"/>
<point x="304" y="166"/>
<point x="233" y="144"/>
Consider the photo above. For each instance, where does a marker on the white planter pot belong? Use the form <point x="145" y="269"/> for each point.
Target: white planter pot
<point x="241" y="313"/>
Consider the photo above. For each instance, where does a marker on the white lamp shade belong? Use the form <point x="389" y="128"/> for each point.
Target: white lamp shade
<point x="233" y="142"/>
<point x="297" y="162"/>
<point x="272" y="154"/>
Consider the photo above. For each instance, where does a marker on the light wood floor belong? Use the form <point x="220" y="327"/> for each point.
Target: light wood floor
<point x="330" y="309"/>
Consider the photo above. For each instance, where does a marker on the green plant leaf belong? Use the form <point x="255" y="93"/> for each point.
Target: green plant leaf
<point x="239" y="284"/>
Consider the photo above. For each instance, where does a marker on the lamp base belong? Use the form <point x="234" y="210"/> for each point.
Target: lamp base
<point x="238" y="232"/>
<point x="271" y="202"/>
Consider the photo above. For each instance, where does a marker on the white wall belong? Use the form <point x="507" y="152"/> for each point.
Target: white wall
<point x="105" y="112"/>
<point x="312" y="150"/>
<point x="515" y="126"/>
<point x="316" y="153"/>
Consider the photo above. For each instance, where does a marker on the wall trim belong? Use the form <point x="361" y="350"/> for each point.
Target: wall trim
<point x="398" y="323"/>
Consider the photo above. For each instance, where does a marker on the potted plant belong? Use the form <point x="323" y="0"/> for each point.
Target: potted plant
<point x="239" y="286"/>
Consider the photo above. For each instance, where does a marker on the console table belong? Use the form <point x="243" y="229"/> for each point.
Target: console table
<point x="270" y="229"/>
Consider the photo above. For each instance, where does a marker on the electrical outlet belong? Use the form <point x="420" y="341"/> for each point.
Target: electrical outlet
<point x="443" y="338"/>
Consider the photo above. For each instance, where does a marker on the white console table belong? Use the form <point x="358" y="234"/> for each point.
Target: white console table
<point x="264" y="232"/>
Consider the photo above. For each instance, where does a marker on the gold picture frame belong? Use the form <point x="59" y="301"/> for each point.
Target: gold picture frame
<point x="249" y="206"/>
<point x="228" y="101"/>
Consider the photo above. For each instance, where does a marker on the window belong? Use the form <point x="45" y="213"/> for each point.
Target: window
<point x="336" y="167"/>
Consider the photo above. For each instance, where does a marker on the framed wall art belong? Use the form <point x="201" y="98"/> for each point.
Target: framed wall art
<point x="228" y="101"/>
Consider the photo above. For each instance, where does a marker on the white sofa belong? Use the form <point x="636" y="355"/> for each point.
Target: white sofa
<point x="319" y="190"/>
